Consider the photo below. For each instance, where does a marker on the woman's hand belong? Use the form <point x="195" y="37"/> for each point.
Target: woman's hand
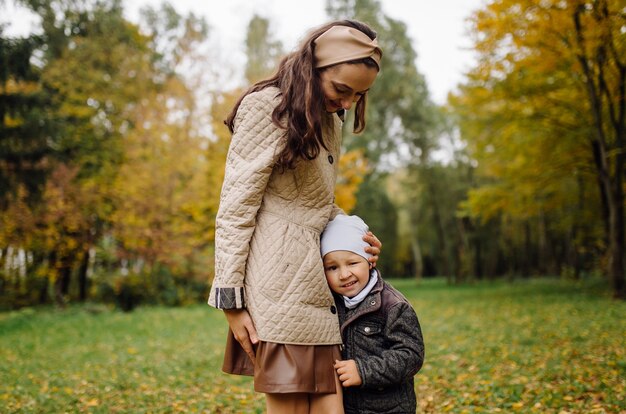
<point x="374" y="247"/>
<point x="243" y="329"/>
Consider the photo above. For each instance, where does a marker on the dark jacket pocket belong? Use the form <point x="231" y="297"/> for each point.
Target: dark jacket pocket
<point x="369" y="329"/>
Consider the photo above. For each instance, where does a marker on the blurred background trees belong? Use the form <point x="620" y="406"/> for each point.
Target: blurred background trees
<point x="543" y="114"/>
<point x="112" y="150"/>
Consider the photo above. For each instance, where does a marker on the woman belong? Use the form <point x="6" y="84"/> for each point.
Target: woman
<point x="276" y="198"/>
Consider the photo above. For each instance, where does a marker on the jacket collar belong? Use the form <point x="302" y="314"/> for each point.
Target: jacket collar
<point x="341" y="114"/>
<point x="371" y="303"/>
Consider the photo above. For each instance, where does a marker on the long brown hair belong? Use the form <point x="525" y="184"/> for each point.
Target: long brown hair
<point x="302" y="98"/>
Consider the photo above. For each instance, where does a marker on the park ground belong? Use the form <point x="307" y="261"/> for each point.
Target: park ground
<point x="536" y="345"/>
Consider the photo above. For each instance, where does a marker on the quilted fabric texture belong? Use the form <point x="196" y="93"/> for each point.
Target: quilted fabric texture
<point x="268" y="230"/>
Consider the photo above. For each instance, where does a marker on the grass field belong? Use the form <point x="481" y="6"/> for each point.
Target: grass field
<point x="536" y="346"/>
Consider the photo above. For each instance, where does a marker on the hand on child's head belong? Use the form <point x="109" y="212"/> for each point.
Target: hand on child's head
<point x="374" y="247"/>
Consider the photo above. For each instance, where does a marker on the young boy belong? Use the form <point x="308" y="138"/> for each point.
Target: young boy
<point x="383" y="345"/>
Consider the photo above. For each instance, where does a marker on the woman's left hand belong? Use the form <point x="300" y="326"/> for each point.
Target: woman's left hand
<point x="374" y="247"/>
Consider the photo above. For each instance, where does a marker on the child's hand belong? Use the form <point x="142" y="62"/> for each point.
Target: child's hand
<point x="348" y="373"/>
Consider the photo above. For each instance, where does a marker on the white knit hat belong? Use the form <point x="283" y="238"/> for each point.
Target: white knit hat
<point x="345" y="233"/>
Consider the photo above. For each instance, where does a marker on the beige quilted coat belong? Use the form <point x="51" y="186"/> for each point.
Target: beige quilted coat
<point x="267" y="252"/>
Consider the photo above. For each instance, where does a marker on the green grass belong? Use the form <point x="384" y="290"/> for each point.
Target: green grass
<point x="539" y="345"/>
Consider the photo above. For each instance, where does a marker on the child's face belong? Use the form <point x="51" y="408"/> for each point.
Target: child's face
<point x="347" y="273"/>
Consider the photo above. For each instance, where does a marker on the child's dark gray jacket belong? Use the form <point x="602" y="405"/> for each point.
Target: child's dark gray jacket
<point x="382" y="334"/>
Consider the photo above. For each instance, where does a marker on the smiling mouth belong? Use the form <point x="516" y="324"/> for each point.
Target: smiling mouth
<point x="347" y="285"/>
<point x="335" y="105"/>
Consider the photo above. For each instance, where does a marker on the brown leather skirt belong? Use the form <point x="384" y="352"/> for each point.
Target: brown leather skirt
<point x="284" y="368"/>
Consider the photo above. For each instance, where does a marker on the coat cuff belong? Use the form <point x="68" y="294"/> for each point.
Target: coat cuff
<point x="359" y="367"/>
<point x="229" y="298"/>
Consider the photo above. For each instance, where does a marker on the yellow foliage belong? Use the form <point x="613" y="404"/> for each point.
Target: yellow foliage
<point x="218" y="147"/>
<point x="524" y="111"/>
<point x="164" y="190"/>
<point x="352" y="168"/>
<point x="15" y="87"/>
<point x="18" y="221"/>
<point x="65" y="220"/>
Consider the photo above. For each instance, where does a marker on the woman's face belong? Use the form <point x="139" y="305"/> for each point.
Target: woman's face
<point x="345" y="84"/>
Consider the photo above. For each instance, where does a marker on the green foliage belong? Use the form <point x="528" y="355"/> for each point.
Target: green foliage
<point x="400" y="115"/>
<point x="430" y="195"/>
<point x="376" y="209"/>
<point x="126" y="291"/>
<point x="535" y="346"/>
<point x="262" y="50"/>
<point x="173" y="37"/>
<point x="26" y="126"/>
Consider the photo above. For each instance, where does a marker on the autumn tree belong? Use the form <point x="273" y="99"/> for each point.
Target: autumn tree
<point x="97" y="73"/>
<point x="543" y="113"/>
<point x="162" y="222"/>
<point x="109" y="62"/>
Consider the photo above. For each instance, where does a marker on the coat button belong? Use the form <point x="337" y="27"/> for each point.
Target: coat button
<point x="333" y="310"/>
<point x="367" y="329"/>
<point x="373" y="303"/>
<point x="331" y="159"/>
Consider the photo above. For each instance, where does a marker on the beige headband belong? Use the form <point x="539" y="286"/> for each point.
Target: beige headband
<point x="342" y="44"/>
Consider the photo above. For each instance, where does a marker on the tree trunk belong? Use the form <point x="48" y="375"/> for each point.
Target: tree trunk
<point x="43" y="292"/>
<point x="546" y="252"/>
<point x="82" y="276"/>
<point x="63" y="272"/>
<point x="615" y="202"/>
<point x="573" y="254"/>
<point x="443" y="245"/>
<point x="478" y="258"/>
<point x="609" y="122"/>
<point x="527" y="257"/>
<point x="417" y="258"/>
<point x="604" y="197"/>
<point x="616" y="240"/>
<point x="464" y="249"/>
